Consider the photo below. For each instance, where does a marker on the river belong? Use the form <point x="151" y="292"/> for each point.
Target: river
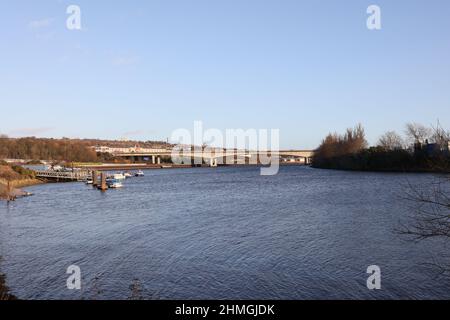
<point x="220" y="233"/>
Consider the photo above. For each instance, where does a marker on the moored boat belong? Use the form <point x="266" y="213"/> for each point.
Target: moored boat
<point x="139" y="173"/>
<point x="113" y="183"/>
<point x="127" y="175"/>
<point x="117" y="176"/>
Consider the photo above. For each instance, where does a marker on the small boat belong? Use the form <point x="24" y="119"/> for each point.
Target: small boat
<point x="114" y="184"/>
<point x="89" y="181"/>
<point x="117" y="176"/>
<point x="139" y="174"/>
<point x="56" y="168"/>
<point x="127" y="175"/>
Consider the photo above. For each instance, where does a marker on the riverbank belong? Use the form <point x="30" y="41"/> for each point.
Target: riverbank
<point x="12" y="178"/>
<point x="375" y="160"/>
<point x="4" y="291"/>
<point x="386" y="170"/>
<point x="15" y="189"/>
<point x="350" y="151"/>
<point x="25" y="183"/>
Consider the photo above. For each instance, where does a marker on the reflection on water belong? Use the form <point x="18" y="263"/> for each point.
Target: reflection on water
<point x="219" y="233"/>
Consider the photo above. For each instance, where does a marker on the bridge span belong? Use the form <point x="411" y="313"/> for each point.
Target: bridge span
<point x="214" y="157"/>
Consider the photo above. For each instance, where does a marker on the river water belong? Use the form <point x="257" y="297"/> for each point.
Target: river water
<point x="222" y="233"/>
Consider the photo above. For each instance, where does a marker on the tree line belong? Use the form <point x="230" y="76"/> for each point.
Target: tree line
<point x="420" y="149"/>
<point x="46" y="149"/>
<point x="77" y="150"/>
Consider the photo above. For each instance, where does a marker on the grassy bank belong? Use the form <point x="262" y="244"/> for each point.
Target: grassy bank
<point x="13" y="178"/>
<point x="14" y="189"/>
<point x="25" y="183"/>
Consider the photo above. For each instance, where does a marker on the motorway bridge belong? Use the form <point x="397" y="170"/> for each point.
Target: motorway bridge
<point x="218" y="156"/>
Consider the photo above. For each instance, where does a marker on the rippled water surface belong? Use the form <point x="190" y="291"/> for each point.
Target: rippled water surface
<point x="220" y="233"/>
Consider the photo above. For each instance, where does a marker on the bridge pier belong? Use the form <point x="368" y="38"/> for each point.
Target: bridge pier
<point x="213" y="162"/>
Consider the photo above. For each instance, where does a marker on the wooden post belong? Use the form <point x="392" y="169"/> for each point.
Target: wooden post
<point x="94" y="179"/>
<point x="9" y="195"/>
<point x="103" y="185"/>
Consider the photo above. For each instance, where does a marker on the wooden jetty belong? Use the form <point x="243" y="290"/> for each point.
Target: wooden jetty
<point x="98" y="177"/>
<point x="51" y="175"/>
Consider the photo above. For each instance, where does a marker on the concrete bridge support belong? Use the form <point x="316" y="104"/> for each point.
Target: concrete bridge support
<point x="213" y="162"/>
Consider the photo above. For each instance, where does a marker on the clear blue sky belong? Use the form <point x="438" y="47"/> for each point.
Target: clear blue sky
<point x="142" y="69"/>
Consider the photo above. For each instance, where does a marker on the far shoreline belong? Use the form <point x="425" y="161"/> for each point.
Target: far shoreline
<point x="399" y="171"/>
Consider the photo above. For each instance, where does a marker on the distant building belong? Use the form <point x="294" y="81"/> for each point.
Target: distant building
<point x="447" y="148"/>
<point x="135" y="149"/>
<point x="432" y="149"/>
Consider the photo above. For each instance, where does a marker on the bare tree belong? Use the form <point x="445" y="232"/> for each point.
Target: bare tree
<point x="391" y="140"/>
<point x="356" y="139"/>
<point x="440" y="136"/>
<point x="417" y="133"/>
<point x="353" y="141"/>
<point x="430" y="207"/>
<point x="431" y="210"/>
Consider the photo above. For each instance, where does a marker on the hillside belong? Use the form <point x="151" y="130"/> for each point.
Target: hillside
<point x="79" y="150"/>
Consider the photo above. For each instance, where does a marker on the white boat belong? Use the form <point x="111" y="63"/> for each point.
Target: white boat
<point x="127" y="175"/>
<point x="56" y="168"/>
<point x="89" y="181"/>
<point x="114" y="184"/>
<point x="139" y="174"/>
<point x="118" y="176"/>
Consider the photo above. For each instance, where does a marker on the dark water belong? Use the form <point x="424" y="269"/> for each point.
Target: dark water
<point x="220" y="233"/>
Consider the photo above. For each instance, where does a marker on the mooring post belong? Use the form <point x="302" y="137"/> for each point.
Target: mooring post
<point x="94" y="179"/>
<point x="103" y="185"/>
